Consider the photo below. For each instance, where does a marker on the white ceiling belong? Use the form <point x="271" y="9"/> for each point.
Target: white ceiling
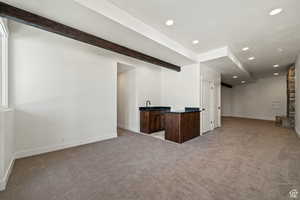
<point x="233" y="23"/>
<point x="84" y="19"/>
<point x="228" y="69"/>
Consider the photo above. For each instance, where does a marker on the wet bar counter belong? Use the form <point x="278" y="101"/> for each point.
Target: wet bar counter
<point x="182" y="125"/>
<point x="152" y="119"/>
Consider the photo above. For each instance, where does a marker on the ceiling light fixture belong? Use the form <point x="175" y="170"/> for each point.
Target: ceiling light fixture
<point x="243" y="82"/>
<point x="169" y="22"/>
<point x="195" y="41"/>
<point x="235" y="77"/>
<point x="245" y="49"/>
<point x="276" y="65"/>
<point x="275" y="11"/>
<point x="280" y="50"/>
<point x="251" y="58"/>
<point x="276" y="74"/>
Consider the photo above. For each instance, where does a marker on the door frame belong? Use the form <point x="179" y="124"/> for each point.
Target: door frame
<point x="215" y="101"/>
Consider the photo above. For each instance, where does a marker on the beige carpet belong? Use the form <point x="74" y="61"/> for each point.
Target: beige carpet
<point x="245" y="159"/>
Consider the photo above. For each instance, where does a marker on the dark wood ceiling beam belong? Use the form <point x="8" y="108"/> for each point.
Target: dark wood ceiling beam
<point x="40" y="22"/>
<point x="226" y="85"/>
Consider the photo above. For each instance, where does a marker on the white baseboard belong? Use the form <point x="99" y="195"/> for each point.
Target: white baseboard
<point x="4" y="180"/>
<point x="42" y="150"/>
<point x="257" y="118"/>
<point x="121" y="126"/>
<point x="297" y="131"/>
<point x="224" y="115"/>
<point x="129" y="129"/>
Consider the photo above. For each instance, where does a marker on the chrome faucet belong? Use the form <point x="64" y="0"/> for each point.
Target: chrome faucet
<point x="148" y="102"/>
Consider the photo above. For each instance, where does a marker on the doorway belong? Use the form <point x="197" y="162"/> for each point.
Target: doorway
<point x="127" y="115"/>
<point x="211" y="109"/>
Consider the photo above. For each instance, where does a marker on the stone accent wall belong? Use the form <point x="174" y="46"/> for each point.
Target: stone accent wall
<point x="291" y="92"/>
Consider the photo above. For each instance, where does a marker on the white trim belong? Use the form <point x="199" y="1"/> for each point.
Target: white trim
<point x="42" y="150"/>
<point x="136" y="130"/>
<point x="297" y="131"/>
<point x="4" y="68"/>
<point x="254" y="118"/>
<point x="121" y="126"/>
<point x="4" y="181"/>
<point x="4" y="109"/>
<point x="3" y="27"/>
<point x="226" y="115"/>
<point x="213" y="54"/>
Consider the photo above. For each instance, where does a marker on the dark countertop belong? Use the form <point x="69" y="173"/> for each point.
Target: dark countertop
<point x="155" y="108"/>
<point x="168" y="109"/>
<point x="186" y="110"/>
<point x="183" y="111"/>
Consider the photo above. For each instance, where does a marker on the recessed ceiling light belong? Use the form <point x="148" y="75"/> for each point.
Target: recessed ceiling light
<point x="251" y="58"/>
<point x="275" y="11"/>
<point x="195" y="41"/>
<point x="235" y="77"/>
<point x="276" y="74"/>
<point x="280" y="50"/>
<point x="245" y="49"/>
<point x="243" y="81"/>
<point x="276" y="65"/>
<point x="169" y="22"/>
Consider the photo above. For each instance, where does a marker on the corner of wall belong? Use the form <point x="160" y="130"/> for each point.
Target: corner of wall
<point x="7" y="141"/>
<point x="4" y="180"/>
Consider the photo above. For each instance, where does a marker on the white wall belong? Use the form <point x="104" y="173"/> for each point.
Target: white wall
<point x="180" y="90"/>
<point x="226" y="101"/>
<point x="7" y="145"/>
<point x="297" y="120"/>
<point x="148" y="85"/>
<point x="135" y="87"/>
<point x="1" y="70"/>
<point x="263" y="99"/>
<point x="63" y="91"/>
